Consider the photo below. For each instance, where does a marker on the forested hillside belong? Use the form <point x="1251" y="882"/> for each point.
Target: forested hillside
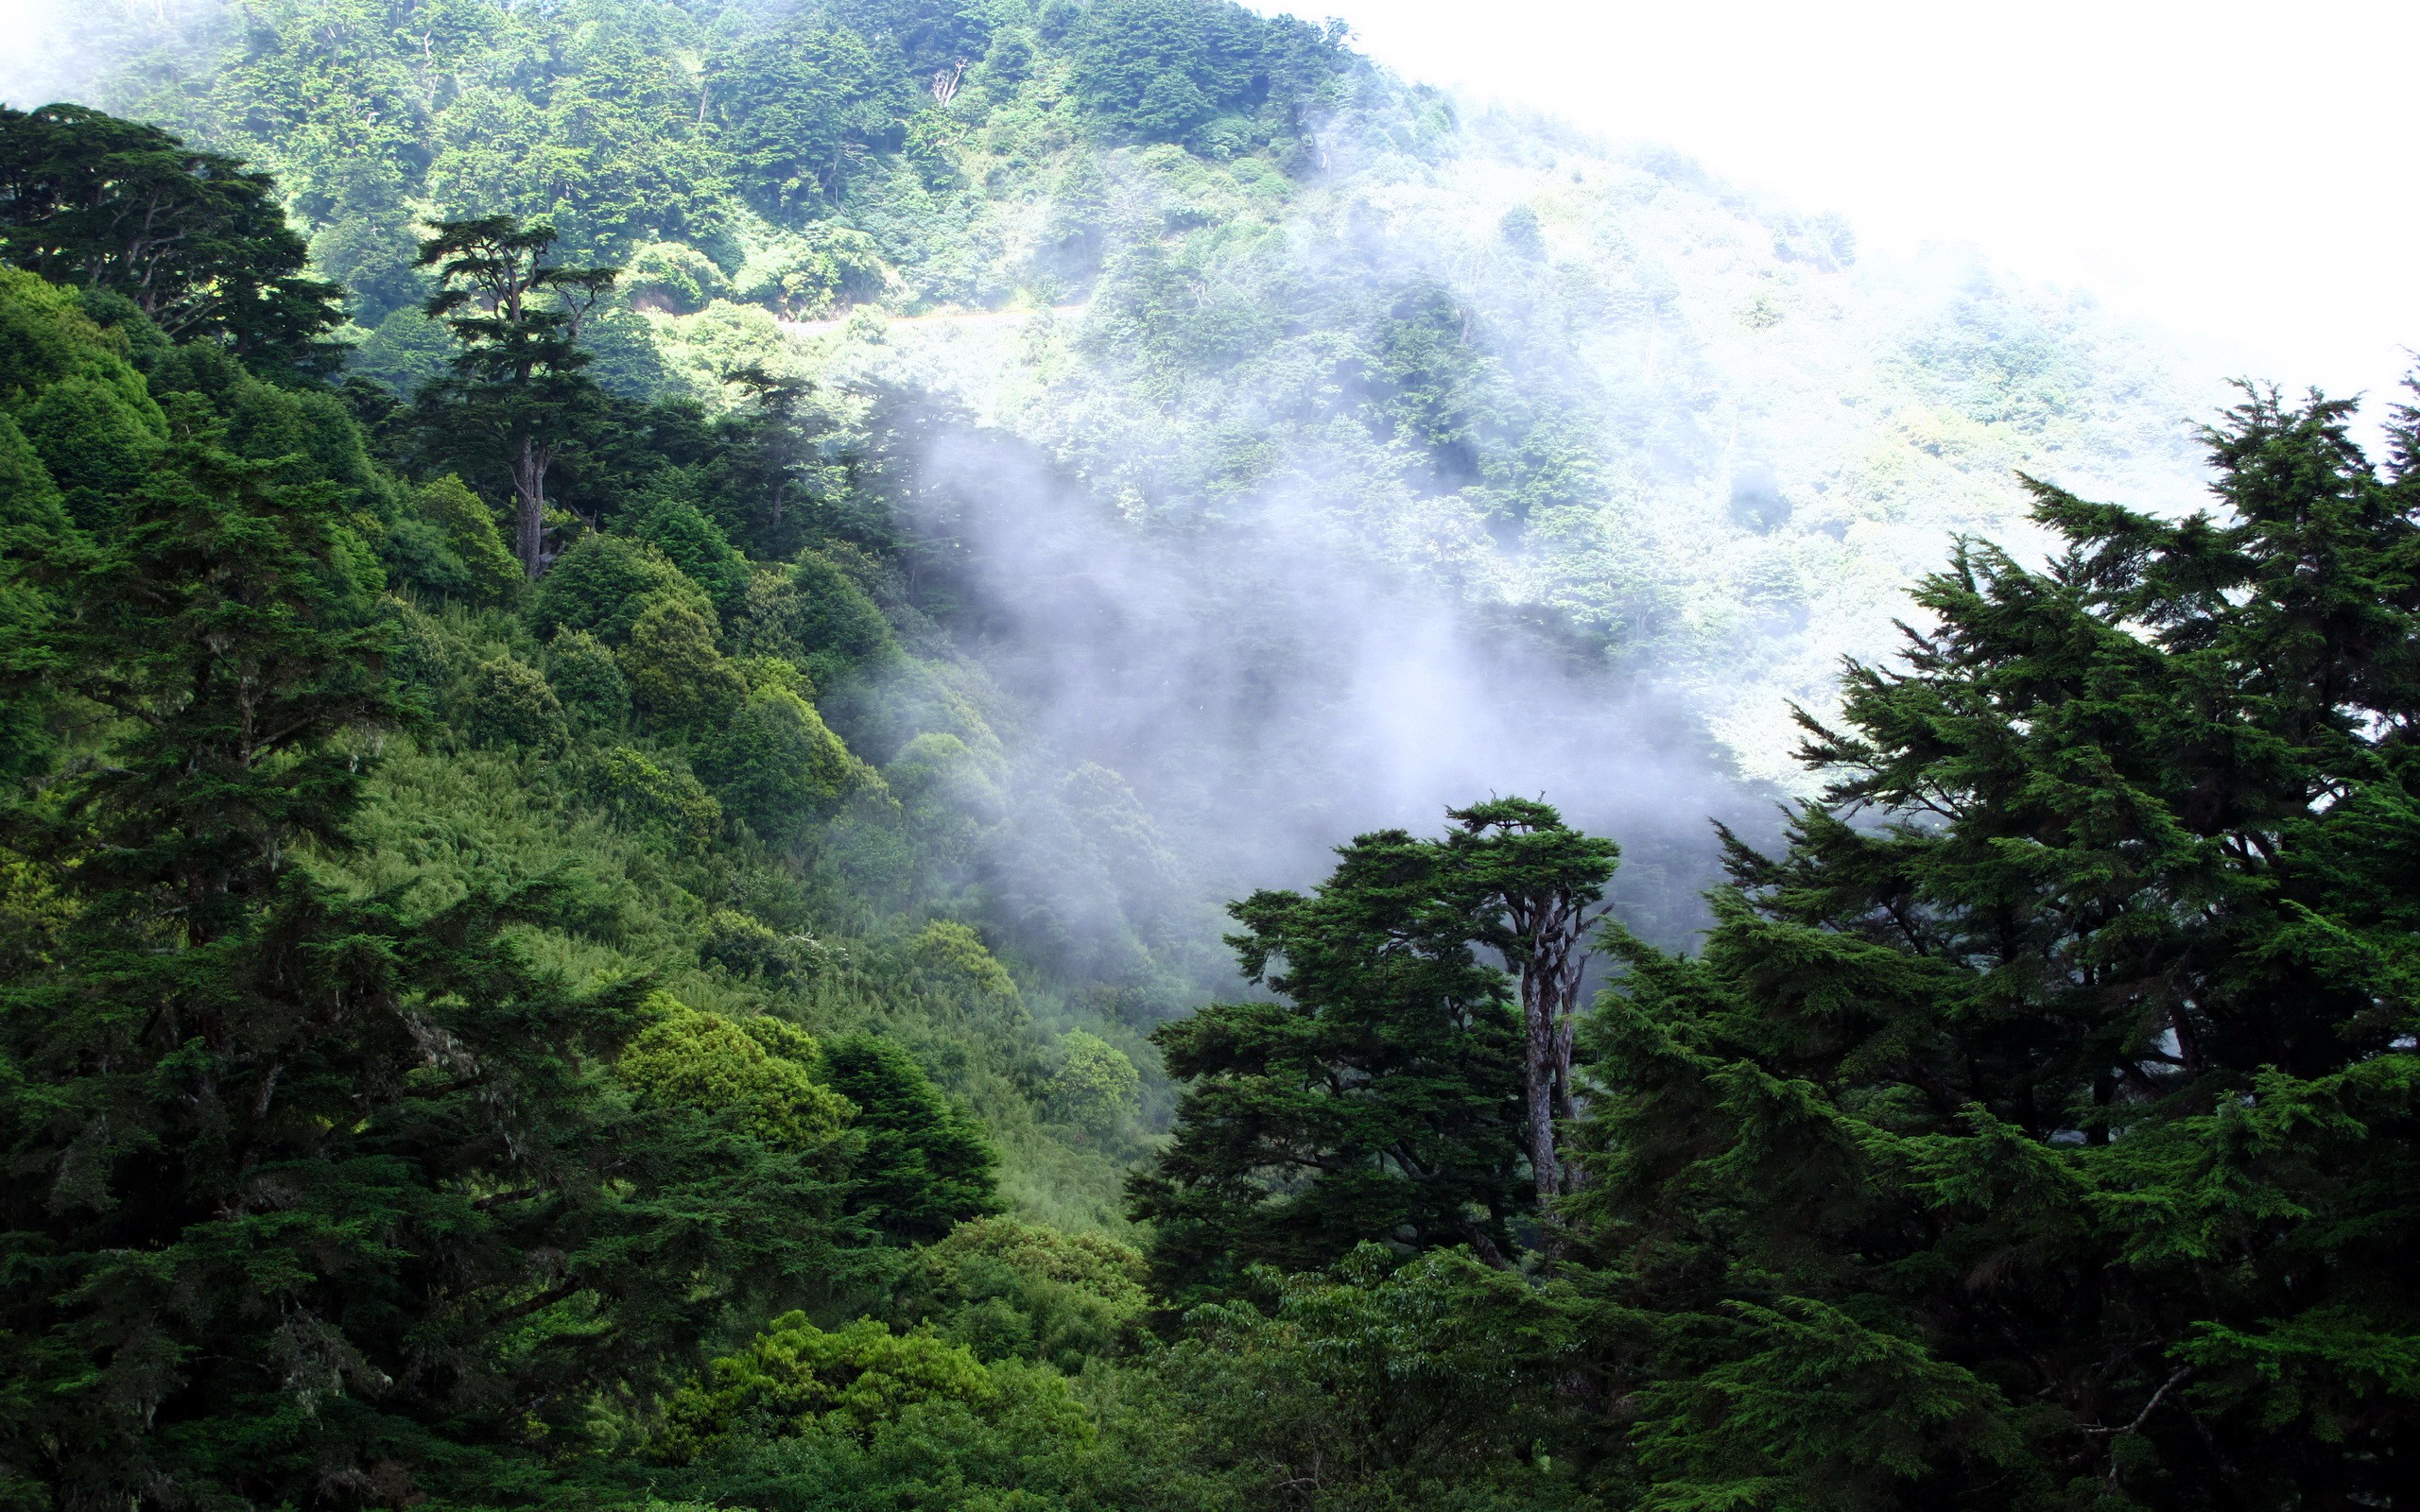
<point x="645" y="650"/>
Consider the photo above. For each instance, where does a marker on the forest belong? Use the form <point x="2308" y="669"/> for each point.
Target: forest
<point x="713" y="796"/>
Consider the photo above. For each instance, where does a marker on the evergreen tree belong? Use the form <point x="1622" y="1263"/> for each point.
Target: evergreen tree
<point x="194" y="239"/>
<point x="308" y="1194"/>
<point x="1532" y="889"/>
<point x="2039" y="1128"/>
<point x="924" y="1164"/>
<point x="517" y="391"/>
<point x="1382" y="1100"/>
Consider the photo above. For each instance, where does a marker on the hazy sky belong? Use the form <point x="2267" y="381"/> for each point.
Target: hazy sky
<point x="2239" y="171"/>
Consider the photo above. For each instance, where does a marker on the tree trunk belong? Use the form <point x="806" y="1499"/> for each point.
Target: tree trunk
<point x="1549" y="1010"/>
<point x="1538" y="1075"/>
<point x="530" y="506"/>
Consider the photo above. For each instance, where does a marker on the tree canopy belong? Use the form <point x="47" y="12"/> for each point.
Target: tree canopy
<point x="198" y="241"/>
<point x="2040" y="1118"/>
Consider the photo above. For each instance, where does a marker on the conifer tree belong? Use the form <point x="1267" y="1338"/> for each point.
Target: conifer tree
<point x="517" y="391"/>
<point x="307" y="1195"/>
<point x="1530" y="887"/>
<point x="196" y="240"/>
<point x="1382" y="1100"/>
<point x="2039" y="1128"/>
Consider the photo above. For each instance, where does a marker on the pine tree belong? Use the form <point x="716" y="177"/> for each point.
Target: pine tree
<point x="306" y="1195"/>
<point x="198" y="241"/>
<point x="2039" y="1128"/>
<point x="517" y="391"/>
<point x="925" y="1163"/>
<point x="1381" y="1100"/>
<point x="1532" y="889"/>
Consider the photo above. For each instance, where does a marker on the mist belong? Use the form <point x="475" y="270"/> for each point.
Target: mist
<point x="1231" y="619"/>
<point x="1267" y="690"/>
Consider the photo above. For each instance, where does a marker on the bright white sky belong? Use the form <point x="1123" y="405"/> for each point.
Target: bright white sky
<point x="2239" y="171"/>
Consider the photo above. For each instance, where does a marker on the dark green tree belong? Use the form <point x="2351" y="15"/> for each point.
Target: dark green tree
<point x="517" y="392"/>
<point x="924" y="1164"/>
<point x="803" y="108"/>
<point x="2039" y="1128"/>
<point x="308" y="1195"/>
<point x="1530" y="887"/>
<point x="1381" y="1100"/>
<point x="197" y="241"/>
<point x="1159" y="69"/>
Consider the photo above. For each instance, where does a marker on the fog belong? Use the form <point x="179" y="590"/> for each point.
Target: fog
<point x="1204" y="685"/>
<point x="1268" y="689"/>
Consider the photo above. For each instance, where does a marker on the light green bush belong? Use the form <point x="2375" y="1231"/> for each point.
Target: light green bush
<point x="709" y="1062"/>
<point x="641" y="790"/>
<point x="588" y="683"/>
<point x="506" y="702"/>
<point x="795" y="1376"/>
<point x="778" y="764"/>
<point x="679" y="680"/>
<point x="603" y="583"/>
<point x="493" y="575"/>
<point x="1096" y="1085"/>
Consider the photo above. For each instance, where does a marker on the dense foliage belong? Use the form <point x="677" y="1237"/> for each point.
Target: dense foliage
<point x="515" y="993"/>
<point x="2057" y="1132"/>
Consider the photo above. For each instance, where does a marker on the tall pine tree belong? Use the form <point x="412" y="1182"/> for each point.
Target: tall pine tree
<point x="1380" y="1100"/>
<point x="2039" y="1128"/>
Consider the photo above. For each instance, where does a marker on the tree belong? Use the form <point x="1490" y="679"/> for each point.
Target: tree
<point x="1530" y="887"/>
<point x="1382" y="1100"/>
<point x="1157" y="69"/>
<point x="803" y="107"/>
<point x="1012" y="1290"/>
<point x="795" y="1375"/>
<point x="2040" y="1126"/>
<point x="516" y="392"/>
<point x="196" y="240"/>
<point x="307" y="1191"/>
<point x="925" y="1163"/>
<point x="1380" y="1381"/>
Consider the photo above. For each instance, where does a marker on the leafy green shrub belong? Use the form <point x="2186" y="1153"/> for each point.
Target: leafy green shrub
<point x="97" y="444"/>
<point x="926" y="1164"/>
<point x="679" y="680"/>
<point x="941" y="773"/>
<point x="493" y="576"/>
<point x="746" y="947"/>
<point x="603" y="582"/>
<point x="818" y="615"/>
<point x="640" y="790"/>
<point x="1386" y="1380"/>
<point x="696" y="545"/>
<point x="506" y="702"/>
<point x="672" y="276"/>
<point x="423" y="658"/>
<point x="784" y="1038"/>
<point x="816" y="270"/>
<point x="952" y="956"/>
<point x="951" y="963"/>
<point x="795" y="1376"/>
<point x="706" y="1062"/>
<point x="778" y="765"/>
<point x="588" y="683"/>
<point x="1096" y="1085"/>
<point x="405" y="351"/>
<point x="1015" y="1290"/>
